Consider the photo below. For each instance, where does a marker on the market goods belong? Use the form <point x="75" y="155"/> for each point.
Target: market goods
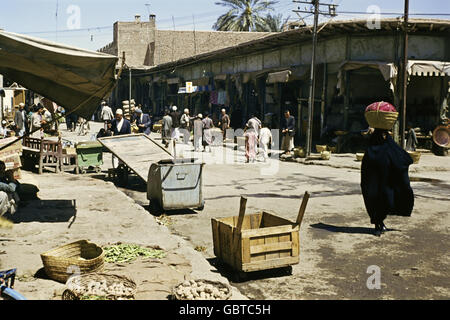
<point x="202" y="290"/>
<point x="122" y="253"/>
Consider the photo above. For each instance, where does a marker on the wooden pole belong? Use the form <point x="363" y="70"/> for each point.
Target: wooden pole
<point x="405" y="74"/>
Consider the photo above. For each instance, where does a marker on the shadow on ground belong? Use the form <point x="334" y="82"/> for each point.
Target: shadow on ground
<point x="235" y="276"/>
<point x="46" y="211"/>
<point x="348" y="230"/>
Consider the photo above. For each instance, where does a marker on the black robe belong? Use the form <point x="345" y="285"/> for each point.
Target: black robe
<point x="385" y="181"/>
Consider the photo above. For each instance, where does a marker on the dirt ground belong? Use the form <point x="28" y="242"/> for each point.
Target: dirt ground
<point x="337" y="245"/>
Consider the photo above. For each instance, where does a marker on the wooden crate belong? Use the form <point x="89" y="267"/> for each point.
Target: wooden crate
<point x="258" y="241"/>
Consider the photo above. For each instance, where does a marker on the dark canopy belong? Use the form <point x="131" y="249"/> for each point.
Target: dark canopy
<point x="74" y="78"/>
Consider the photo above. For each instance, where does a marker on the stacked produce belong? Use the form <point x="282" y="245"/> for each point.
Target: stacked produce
<point x="201" y="290"/>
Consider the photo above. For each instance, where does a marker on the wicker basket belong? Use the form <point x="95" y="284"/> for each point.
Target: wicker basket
<point x="61" y="263"/>
<point x="217" y="284"/>
<point x="78" y="286"/>
<point x="415" y="156"/>
<point x="320" y="148"/>
<point x="299" y="153"/>
<point x="381" y="119"/>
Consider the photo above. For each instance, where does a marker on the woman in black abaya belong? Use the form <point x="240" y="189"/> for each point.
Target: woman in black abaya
<point x="385" y="181"/>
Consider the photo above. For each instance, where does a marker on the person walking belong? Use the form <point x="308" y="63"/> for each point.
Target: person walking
<point x="185" y="124"/>
<point x="255" y="124"/>
<point x="385" y="182"/>
<point x="207" y="133"/>
<point x="198" y="133"/>
<point x="166" y="128"/>
<point x="20" y="119"/>
<point x="175" y="115"/>
<point x="265" y="139"/>
<point x="106" y="114"/>
<point x="288" y="132"/>
<point x="224" y="124"/>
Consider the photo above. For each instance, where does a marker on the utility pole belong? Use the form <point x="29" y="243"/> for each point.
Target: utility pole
<point x="312" y="86"/>
<point x="405" y="73"/>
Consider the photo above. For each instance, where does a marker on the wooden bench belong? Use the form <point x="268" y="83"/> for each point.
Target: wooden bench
<point x="48" y="154"/>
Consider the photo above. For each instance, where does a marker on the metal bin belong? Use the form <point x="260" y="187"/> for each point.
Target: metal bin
<point x="176" y="184"/>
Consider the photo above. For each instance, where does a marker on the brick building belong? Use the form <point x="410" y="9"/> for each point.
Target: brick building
<point x="145" y="45"/>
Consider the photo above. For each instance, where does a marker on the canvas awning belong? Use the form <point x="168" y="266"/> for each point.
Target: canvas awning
<point x="388" y="70"/>
<point x="281" y="76"/>
<point x="74" y="78"/>
<point x="428" y="68"/>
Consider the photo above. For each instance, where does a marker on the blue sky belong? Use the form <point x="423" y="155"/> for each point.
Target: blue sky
<point x="38" y="17"/>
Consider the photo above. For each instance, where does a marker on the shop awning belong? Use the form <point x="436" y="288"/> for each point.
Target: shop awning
<point x="277" y="77"/>
<point x="428" y="68"/>
<point x="74" y="78"/>
<point x="388" y="70"/>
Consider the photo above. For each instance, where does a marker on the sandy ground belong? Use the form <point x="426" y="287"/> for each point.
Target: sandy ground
<point x="337" y="245"/>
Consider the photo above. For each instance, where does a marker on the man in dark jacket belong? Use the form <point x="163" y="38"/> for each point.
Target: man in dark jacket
<point x="288" y="132"/>
<point x="143" y="121"/>
<point x="175" y="115"/>
<point x="21" y="121"/>
<point x="120" y="125"/>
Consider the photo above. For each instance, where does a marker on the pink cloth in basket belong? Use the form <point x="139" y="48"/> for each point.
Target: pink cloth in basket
<point x="383" y="107"/>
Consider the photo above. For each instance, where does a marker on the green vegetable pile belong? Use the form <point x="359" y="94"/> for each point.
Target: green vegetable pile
<point x="123" y="253"/>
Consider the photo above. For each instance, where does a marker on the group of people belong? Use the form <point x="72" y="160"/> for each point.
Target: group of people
<point x="116" y="125"/>
<point x="179" y="128"/>
<point x="31" y="120"/>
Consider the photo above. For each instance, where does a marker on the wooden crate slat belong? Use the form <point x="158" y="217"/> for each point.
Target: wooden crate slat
<point x="270" y="264"/>
<point x="257" y="241"/>
<point x="269" y="241"/>
<point x="268" y="231"/>
<point x="295" y="244"/>
<point x="216" y="237"/>
<point x="269" y="247"/>
<point x="286" y="238"/>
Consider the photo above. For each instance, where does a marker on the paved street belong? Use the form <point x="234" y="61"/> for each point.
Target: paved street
<point x="337" y="245"/>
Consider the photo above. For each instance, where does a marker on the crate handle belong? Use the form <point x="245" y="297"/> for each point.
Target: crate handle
<point x="241" y="214"/>
<point x="302" y="210"/>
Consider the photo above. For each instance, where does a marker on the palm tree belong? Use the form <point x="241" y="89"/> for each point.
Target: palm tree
<point x="272" y="23"/>
<point x="243" y="15"/>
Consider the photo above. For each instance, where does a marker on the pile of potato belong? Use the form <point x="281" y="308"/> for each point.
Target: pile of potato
<point x="200" y="290"/>
<point x="102" y="289"/>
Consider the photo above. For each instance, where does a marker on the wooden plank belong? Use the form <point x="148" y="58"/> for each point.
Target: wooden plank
<point x="257" y="241"/>
<point x="270" y="247"/>
<point x="301" y="212"/>
<point x="286" y="238"/>
<point x="271" y="241"/>
<point x="295" y="244"/>
<point x="216" y="237"/>
<point x="245" y="250"/>
<point x="268" y="231"/>
<point x="270" y="264"/>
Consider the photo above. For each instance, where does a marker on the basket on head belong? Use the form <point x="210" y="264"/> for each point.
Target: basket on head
<point x="381" y="115"/>
<point x="109" y="286"/>
<point x="81" y="256"/>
